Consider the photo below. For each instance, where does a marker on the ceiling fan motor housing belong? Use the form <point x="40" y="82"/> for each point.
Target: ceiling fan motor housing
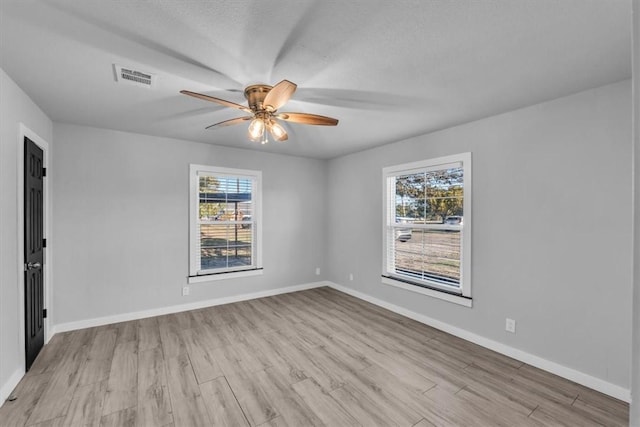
<point x="255" y="95"/>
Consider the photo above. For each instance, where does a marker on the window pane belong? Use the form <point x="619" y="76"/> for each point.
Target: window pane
<point x="429" y="196"/>
<point x="210" y="207"/>
<point x="225" y="246"/>
<point x="409" y="193"/>
<point x="224" y="198"/>
<point x="432" y="255"/>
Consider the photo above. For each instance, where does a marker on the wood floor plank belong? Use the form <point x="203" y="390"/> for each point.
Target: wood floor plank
<point x="237" y="358"/>
<point x="283" y="361"/>
<point x="184" y="319"/>
<point x="568" y="388"/>
<point x="423" y="423"/>
<point x="200" y="350"/>
<point x="499" y="391"/>
<point x="316" y="365"/>
<point x="226" y="313"/>
<point x="148" y="334"/>
<point x="55" y="400"/>
<point x="255" y="401"/>
<point x="495" y="409"/>
<point x="127" y="331"/>
<point x="282" y="309"/>
<point x="252" y="318"/>
<point x="602" y="401"/>
<point x="98" y="364"/>
<point x="302" y="333"/>
<point x="362" y="408"/>
<point x="442" y="374"/>
<point x="52" y="354"/>
<point x="455" y="411"/>
<point x="315" y="357"/>
<point x="186" y="400"/>
<point x="301" y="311"/>
<point x="276" y="422"/>
<point x="154" y="407"/>
<point x="27" y="393"/>
<point x="220" y="336"/>
<point x="271" y="318"/>
<point x="405" y="402"/>
<point x="554" y="414"/>
<point x="171" y="337"/>
<point x="242" y="333"/>
<point x="86" y="405"/>
<point x="122" y="387"/>
<point x="56" y="422"/>
<point x="542" y="388"/>
<point x="124" y="418"/>
<point x="606" y="418"/>
<point x="290" y="407"/>
<point x="350" y="349"/>
<point x="323" y="405"/>
<point x="221" y="403"/>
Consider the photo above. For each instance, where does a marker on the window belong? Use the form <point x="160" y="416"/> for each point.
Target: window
<point x="225" y="227"/>
<point x="427" y="227"/>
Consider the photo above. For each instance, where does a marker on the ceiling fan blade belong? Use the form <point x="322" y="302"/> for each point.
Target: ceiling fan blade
<point x="231" y="122"/>
<point x="279" y="95"/>
<point x="216" y="100"/>
<point x="308" y="119"/>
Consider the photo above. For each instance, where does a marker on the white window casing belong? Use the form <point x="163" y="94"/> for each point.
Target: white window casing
<point x="420" y="253"/>
<point x="228" y="244"/>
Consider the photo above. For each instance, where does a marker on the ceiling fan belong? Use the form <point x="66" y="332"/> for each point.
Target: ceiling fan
<point x="264" y="102"/>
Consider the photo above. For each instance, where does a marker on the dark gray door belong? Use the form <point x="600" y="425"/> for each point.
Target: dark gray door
<point x="33" y="250"/>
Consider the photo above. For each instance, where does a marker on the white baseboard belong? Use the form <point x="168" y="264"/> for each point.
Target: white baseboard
<point x="98" y="321"/>
<point x="12" y="382"/>
<point x="544" y="364"/>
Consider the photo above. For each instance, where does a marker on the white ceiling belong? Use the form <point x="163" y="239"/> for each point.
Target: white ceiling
<point x="387" y="70"/>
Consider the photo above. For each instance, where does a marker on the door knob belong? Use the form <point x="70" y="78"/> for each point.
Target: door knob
<point x="31" y="265"/>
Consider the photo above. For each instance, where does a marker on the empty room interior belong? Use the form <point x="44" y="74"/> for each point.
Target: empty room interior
<point x="293" y="213"/>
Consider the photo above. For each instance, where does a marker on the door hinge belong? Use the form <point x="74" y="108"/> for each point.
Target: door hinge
<point x="44" y="172"/>
<point x="44" y="243"/>
<point x="44" y="313"/>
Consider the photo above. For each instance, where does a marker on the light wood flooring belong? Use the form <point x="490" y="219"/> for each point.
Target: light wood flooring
<point x="317" y="357"/>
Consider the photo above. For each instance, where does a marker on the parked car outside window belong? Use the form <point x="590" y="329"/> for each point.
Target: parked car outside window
<point x="453" y="220"/>
<point x="403" y="234"/>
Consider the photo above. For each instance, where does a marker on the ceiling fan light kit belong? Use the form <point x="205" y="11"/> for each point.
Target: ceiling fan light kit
<point x="264" y="101"/>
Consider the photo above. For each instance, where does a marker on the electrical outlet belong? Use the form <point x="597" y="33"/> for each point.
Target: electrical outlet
<point x="317" y="271"/>
<point x="185" y="291"/>
<point x="351" y="277"/>
<point x="510" y="326"/>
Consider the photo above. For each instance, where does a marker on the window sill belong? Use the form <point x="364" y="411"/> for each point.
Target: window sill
<point x="224" y="276"/>
<point x="467" y="302"/>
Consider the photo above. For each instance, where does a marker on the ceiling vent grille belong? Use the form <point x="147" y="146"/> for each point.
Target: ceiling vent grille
<point x="134" y="77"/>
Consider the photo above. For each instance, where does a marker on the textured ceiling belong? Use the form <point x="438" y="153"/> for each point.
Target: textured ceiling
<point x="387" y="70"/>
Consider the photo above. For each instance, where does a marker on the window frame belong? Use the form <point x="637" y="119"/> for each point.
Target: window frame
<point x="196" y="274"/>
<point x="426" y="287"/>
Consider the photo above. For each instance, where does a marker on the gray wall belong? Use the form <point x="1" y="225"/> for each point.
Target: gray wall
<point x="551" y="228"/>
<point x="120" y="221"/>
<point x="15" y="107"/>
<point x="635" y="370"/>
